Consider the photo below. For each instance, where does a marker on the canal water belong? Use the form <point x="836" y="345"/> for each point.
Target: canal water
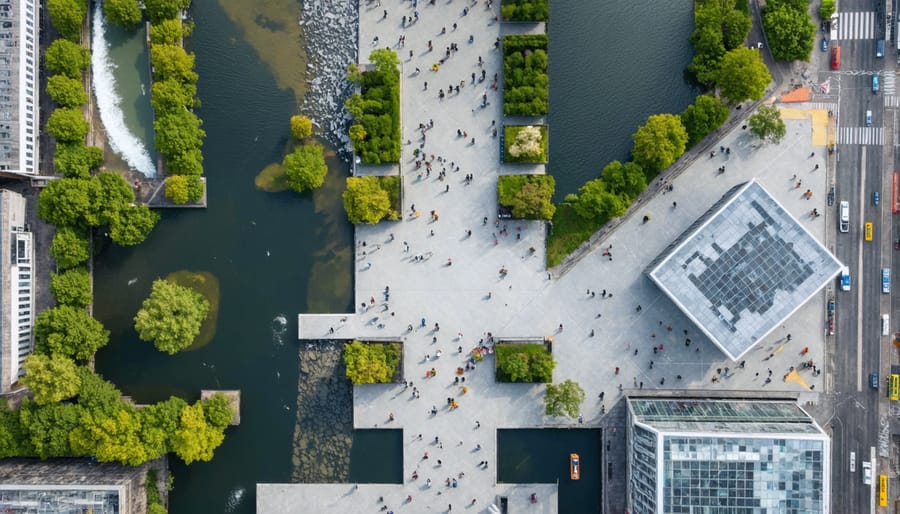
<point x="278" y="254"/>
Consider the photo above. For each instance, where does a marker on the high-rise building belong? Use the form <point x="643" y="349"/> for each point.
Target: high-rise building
<point x="19" y="85"/>
<point x="711" y="456"/>
<point x="16" y="289"/>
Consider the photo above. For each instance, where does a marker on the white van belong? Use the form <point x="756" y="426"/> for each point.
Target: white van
<point x="845" y="216"/>
<point x="853" y="462"/>
<point x="868" y="118"/>
<point x="885" y="325"/>
<point x="845" y="278"/>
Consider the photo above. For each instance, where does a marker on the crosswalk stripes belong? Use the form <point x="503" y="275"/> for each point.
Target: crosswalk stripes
<point x="822" y="106"/>
<point x="860" y="136"/>
<point x="888" y="86"/>
<point x="856" y="25"/>
<point x="891" y="101"/>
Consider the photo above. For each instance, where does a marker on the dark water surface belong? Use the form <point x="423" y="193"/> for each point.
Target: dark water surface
<point x="612" y="64"/>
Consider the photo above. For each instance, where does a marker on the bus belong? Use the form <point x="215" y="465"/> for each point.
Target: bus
<point x="868" y="231"/>
<point x="895" y="387"/>
<point x="835" y="57"/>
<point x="882" y="490"/>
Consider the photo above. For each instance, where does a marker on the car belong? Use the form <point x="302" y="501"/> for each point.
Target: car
<point x="876" y="197"/>
<point x="845" y="278"/>
<point x="868" y="118"/>
<point x="873" y="382"/>
<point x="867" y="473"/>
<point x="886" y="280"/>
<point x="853" y="462"/>
<point x="875" y="84"/>
<point x="824" y="45"/>
<point x="845" y="216"/>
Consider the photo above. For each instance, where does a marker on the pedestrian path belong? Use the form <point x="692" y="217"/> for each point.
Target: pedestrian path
<point x="888" y="84"/>
<point x="860" y="136"/>
<point x="856" y="25"/>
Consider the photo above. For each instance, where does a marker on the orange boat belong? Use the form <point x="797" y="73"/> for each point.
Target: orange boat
<point x="574" y="466"/>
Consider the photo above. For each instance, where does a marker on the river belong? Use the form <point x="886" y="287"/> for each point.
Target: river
<point x="278" y="254"/>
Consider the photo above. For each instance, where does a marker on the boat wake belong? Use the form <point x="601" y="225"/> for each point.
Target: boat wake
<point x="234" y="499"/>
<point x="121" y="140"/>
<point x="279" y="328"/>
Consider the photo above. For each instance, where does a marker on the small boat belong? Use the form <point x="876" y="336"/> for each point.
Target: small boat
<point x="574" y="466"/>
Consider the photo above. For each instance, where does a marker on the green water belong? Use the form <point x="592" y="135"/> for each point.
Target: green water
<point x="278" y="254"/>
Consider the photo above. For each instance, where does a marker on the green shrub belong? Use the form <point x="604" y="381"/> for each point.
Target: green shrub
<point x="184" y="188"/>
<point x="525" y="10"/>
<point x="371" y="199"/>
<point x="68" y="17"/>
<point x="72" y="287"/>
<point x="166" y="32"/>
<point x="305" y="167"/>
<point x="65" y="91"/>
<point x="525" y="80"/>
<point x="529" y="196"/>
<point x="377" y="110"/>
<point x="301" y="126"/>
<point x="371" y="363"/>
<point x="69" y="248"/>
<point x="524" y="363"/>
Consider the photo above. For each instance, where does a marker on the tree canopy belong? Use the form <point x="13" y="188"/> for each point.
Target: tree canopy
<point x="69" y="332"/>
<point x="67" y="58"/>
<point x="371" y="363"/>
<point x="124" y="13"/>
<point x="525" y="10"/>
<point x="67" y="125"/>
<point x="68" y="17"/>
<point x="706" y="114"/>
<point x="369" y="199"/>
<point x="659" y="142"/>
<point x="132" y="224"/>
<point x="173" y="62"/>
<point x="171" y="316"/>
<point x="626" y="180"/>
<point x="529" y="196"/>
<point x="524" y="363"/>
<point x="166" y="32"/>
<point x="184" y="188"/>
<point x="743" y="75"/>
<point x="301" y="126"/>
<point x="195" y="439"/>
<point x="767" y="125"/>
<point x="69" y="247"/>
<point x="826" y="9"/>
<point x="178" y="133"/>
<point x="596" y="201"/>
<point x="75" y="160"/>
<point x="789" y="30"/>
<point x="170" y="96"/>
<point x="71" y="287"/>
<point x="65" y="91"/>
<point x="525" y="79"/>
<point x="377" y="109"/>
<point x="51" y="379"/>
<point x="159" y="10"/>
<point x="305" y="167"/>
<point x="564" y="399"/>
<point x="719" y="26"/>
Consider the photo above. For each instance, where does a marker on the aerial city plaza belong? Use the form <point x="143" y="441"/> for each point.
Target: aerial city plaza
<point x="491" y="323"/>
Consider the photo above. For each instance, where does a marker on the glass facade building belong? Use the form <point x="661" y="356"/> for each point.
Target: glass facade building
<point x="700" y="456"/>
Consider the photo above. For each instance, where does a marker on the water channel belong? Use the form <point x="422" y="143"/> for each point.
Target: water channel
<point x="277" y="254"/>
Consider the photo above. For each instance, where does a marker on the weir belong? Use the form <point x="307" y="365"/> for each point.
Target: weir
<point x="121" y="83"/>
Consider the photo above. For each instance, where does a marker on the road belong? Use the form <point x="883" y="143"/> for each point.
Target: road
<point x="864" y="158"/>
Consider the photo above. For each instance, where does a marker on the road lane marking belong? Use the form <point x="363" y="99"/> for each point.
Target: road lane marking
<point x="859" y="267"/>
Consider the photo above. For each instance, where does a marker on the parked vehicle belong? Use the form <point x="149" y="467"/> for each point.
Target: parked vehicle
<point x="824" y="44"/>
<point x="873" y="383"/>
<point x="845" y="216"/>
<point x="835" y="57"/>
<point x="876" y="197"/>
<point x="886" y="280"/>
<point x="845" y="278"/>
<point x="868" y="118"/>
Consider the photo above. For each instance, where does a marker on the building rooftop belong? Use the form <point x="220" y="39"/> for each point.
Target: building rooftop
<point x="742" y="268"/>
<point x="716" y="416"/>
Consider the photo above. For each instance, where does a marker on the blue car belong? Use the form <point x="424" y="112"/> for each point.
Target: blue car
<point x="824" y="45"/>
<point x="875" y="197"/>
<point x="873" y="380"/>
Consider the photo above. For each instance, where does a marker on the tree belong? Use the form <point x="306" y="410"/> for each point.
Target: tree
<point x="178" y="132"/>
<point x="69" y="248"/>
<point x="113" y="195"/>
<point x="371" y="363"/>
<point x="365" y="201"/>
<point x="68" y="17"/>
<point x="659" y="142"/>
<point x="71" y="287"/>
<point x="529" y="196"/>
<point x="301" y="126"/>
<point x="516" y="367"/>
<point x="48" y="427"/>
<point x="65" y="91"/>
<point x="195" y="439"/>
<point x="13" y="438"/>
<point x="217" y="410"/>
<point x="75" y="160"/>
<point x="159" y="422"/>
<point x="564" y="399"/>
<point x="528" y="143"/>
<point x="176" y="189"/>
<point x="709" y="49"/>
<point x="172" y="62"/>
<point x="110" y="437"/>
<point x="124" y="13"/>
<point x="171" y="316"/>
<point x="385" y="61"/>
<point x="166" y="32"/>
<point x="767" y="125"/>
<point x="735" y="27"/>
<point x="131" y="225"/>
<point x="826" y="9"/>
<point x="189" y="162"/>
<point x="68" y="202"/>
<point x="626" y="180"/>
<point x="596" y="202"/>
<point x="159" y="10"/>
<point x="706" y="114"/>
<point x="69" y="332"/>
<point x="51" y="379"/>
<point x="67" y="125"/>
<point x="96" y="394"/>
<point x="790" y="31"/>
<point x="169" y="96"/>
<point x="743" y="75"/>
<point x="305" y="167"/>
<point x="67" y="58"/>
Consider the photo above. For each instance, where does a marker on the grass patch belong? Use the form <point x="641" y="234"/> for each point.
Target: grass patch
<point x="510" y="132"/>
<point x="569" y="231"/>
<point x="524" y="363"/>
